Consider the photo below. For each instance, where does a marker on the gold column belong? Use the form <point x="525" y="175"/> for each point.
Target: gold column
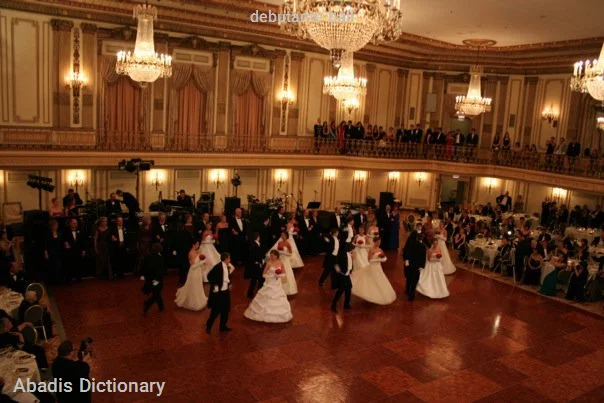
<point x="295" y="79"/>
<point x="223" y="89"/>
<point x="400" y="97"/>
<point x="62" y="65"/>
<point x="88" y="67"/>
<point x="371" y="97"/>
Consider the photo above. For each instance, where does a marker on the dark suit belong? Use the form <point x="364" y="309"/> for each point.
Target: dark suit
<point x="305" y="235"/>
<point x="185" y="201"/>
<point x="113" y="207"/>
<point x="359" y="219"/>
<point x="153" y="269"/>
<point x="414" y="252"/>
<point x="341" y="279"/>
<point x="505" y="206"/>
<point x="17" y="282"/>
<point x="73" y="247"/>
<point x="119" y="251"/>
<point x="333" y="221"/>
<point x="238" y="240"/>
<point x="253" y="268"/>
<point x="472" y="140"/>
<point x="330" y="260"/>
<point x="133" y="207"/>
<point x="161" y="233"/>
<point x="278" y="224"/>
<point x="219" y="300"/>
<point x="71" y="371"/>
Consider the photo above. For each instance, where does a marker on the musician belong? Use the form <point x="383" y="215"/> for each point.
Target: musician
<point x="184" y="200"/>
<point x="113" y="205"/>
<point x="72" y="199"/>
<point x="278" y="223"/>
<point x="132" y="205"/>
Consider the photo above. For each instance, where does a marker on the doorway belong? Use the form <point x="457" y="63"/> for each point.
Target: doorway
<point x="453" y="190"/>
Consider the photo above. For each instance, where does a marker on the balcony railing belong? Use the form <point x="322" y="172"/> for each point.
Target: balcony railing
<point x="25" y="139"/>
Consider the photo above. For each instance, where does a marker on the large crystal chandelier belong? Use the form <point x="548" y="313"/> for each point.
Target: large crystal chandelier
<point x="473" y="104"/>
<point x="342" y="25"/>
<point x="588" y="76"/>
<point x="345" y="85"/>
<point x="144" y="65"/>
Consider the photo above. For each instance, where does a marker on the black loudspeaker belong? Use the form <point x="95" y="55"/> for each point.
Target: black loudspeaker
<point x="205" y="207"/>
<point x="206" y="196"/>
<point x="386" y="198"/>
<point x="230" y="204"/>
<point x="35" y="228"/>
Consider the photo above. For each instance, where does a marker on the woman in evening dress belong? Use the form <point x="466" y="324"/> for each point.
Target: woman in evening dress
<point x="270" y="303"/>
<point x="223" y="234"/>
<point x="284" y="248"/>
<point x="295" y="258"/>
<point x="360" y="258"/>
<point x="445" y="261"/>
<point x="432" y="282"/>
<point x="370" y="283"/>
<point x="192" y="295"/>
<point x="207" y="248"/>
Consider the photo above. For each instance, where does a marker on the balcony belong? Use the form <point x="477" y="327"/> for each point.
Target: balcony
<point x="58" y="148"/>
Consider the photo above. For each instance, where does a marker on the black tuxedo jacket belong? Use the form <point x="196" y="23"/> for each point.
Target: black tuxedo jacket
<point x="113" y="207"/>
<point x="76" y="245"/>
<point x="153" y="268"/>
<point x="131" y="202"/>
<point x="333" y="222"/>
<point x="472" y="140"/>
<point x="415" y="252"/>
<point x="459" y="139"/>
<point x="358" y="221"/>
<point x="330" y="259"/>
<point x="185" y="201"/>
<point x="242" y="232"/>
<point x="278" y="224"/>
<point x="341" y="279"/>
<point x="158" y="232"/>
<point x="215" y="278"/>
<point x="17" y="283"/>
<point x="253" y="267"/>
<point x="305" y="230"/>
<point x="114" y="234"/>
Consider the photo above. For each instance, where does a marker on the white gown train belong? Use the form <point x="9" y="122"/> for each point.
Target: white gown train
<point x="270" y="303"/>
<point x="191" y="295"/>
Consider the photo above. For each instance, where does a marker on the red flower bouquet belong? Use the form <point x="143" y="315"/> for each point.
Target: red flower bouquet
<point x="202" y="257"/>
<point x="215" y="236"/>
<point x="281" y="247"/>
<point x="438" y="255"/>
<point x="381" y="255"/>
<point x="360" y="242"/>
<point x="296" y="230"/>
<point x="279" y="271"/>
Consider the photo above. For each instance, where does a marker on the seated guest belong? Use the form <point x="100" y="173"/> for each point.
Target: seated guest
<point x="10" y="336"/>
<point x="576" y="286"/>
<point x="532" y="274"/>
<point x="582" y="251"/>
<point x="30" y="300"/>
<point x="458" y="241"/>
<point x="69" y="368"/>
<point x="599" y="240"/>
<point x="16" y="278"/>
<point x="595" y="287"/>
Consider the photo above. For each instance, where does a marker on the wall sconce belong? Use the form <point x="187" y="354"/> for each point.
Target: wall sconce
<point x="351" y="104"/>
<point x="420" y="177"/>
<point x="157" y="178"/>
<point x="600" y="123"/>
<point x="359" y="176"/>
<point x="76" y="179"/>
<point x="550" y="115"/>
<point x="281" y="176"/>
<point x="559" y="194"/>
<point x="329" y="175"/>
<point x="217" y="177"/>
<point x="75" y="80"/>
<point x="393" y="177"/>
<point x="490" y="183"/>
<point x="286" y="96"/>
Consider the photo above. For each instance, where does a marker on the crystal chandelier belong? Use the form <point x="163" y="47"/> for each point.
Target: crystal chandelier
<point x="473" y="104"/>
<point x="342" y="25"/>
<point x="345" y="85"/>
<point x="351" y="104"/>
<point x="144" y="65"/>
<point x="588" y="76"/>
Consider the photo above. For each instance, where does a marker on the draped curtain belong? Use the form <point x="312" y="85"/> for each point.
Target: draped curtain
<point x="190" y="86"/>
<point x="122" y="106"/>
<point x="249" y="91"/>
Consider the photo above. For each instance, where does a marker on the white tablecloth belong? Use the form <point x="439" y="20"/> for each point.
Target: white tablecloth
<point x="8" y="364"/>
<point x="484" y="218"/>
<point x="580" y="233"/>
<point x="489" y="250"/>
<point x="10" y="301"/>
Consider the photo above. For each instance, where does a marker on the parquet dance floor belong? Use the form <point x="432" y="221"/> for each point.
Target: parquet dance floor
<point x="487" y="342"/>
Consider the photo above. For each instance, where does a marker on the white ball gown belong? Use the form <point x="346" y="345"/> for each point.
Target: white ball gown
<point x="445" y="261"/>
<point x="295" y="258"/>
<point x="432" y="282"/>
<point x="289" y="281"/>
<point x="371" y="284"/>
<point x="212" y="256"/>
<point x="191" y="295"/>
<point x="360" y="257"/>
<point x="270" y="303"/>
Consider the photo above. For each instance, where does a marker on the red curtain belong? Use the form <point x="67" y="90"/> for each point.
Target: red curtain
<point x="191" y="116"/>
<point x="248" y="124"/>
<point x="122" y="113"/>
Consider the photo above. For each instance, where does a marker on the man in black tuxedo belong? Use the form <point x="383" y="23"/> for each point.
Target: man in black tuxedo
<point x="472" y="139"/>
<point x="306" y="226"/>
<point x="341" y="277"/>
<point x="385" y="222"/>
<point x="205" y="220"/>
<point x="504" y="201"/>
<point x="113" y="205"/>
<point x="73" y="248"/>
<point x="253" y="268"/>
<point x="414" y="256"/>
<point x="347" y="231"/>
<point x="159" y="230"/>
<point x="440" y="137"/>
<point x="459" y="139"/>
<point x="132" y="205"/>
<point x="266" y="238"/>
<point x="360" y="218"/>
<point x="15" y="279"/>
<point x="278" y="224"/>
<point x="119" y="248"/>
<point x="184" y="200"/>
<point x="153" y="269"/>
<point x="238" y="241"/>
<point x="416" y="134"/>
<point x="335" y="220"/>
<point x="331" y="255"/>
<point x="69" y="368"/>
<point x="72" y="195"/>
<point x="220" y="293"/>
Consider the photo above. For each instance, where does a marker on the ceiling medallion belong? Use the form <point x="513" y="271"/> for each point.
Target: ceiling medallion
<point x="144" y="65"/>
<point x="342" y="25"/>
<point x="479" y="43"/>
<point x="588" y="76"/>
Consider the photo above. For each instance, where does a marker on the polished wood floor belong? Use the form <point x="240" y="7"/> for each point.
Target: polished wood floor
<point x="487" y="342"/>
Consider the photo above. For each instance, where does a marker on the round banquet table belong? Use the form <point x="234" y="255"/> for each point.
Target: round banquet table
<point x="489" y="250"/>
<point x="10" y="302"/>
<point x="9" y="363"/>
<point x="580" y="233"/>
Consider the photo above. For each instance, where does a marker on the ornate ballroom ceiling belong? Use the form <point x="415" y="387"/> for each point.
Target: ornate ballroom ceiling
<point x="532" y="36"/>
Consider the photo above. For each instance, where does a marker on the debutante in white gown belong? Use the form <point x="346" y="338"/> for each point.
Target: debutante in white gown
<point x="445" y="261"/>
<point x="371" y="284"/>
<point x="191" y="295"/>
<point x="212" y="256"/>
<point x="270" y="303"/>
<point x="432" y="282"/>
<point x="295" y="258"/>
<point x="288" y="281"/>
<point x="360" y="259"/>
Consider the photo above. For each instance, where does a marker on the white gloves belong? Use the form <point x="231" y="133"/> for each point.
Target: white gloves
<point x="406" y="263"/>
<point x="215" y="288"/>
<point x="155" y="283"/>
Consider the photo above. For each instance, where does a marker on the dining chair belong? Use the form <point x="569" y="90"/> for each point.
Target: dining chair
<point x="34" y="315"/>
